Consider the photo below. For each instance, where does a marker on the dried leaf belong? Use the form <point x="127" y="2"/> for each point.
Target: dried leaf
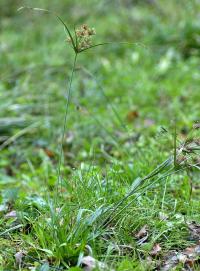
<point x="194" y="229"/>
<point x="49" y="153"/>
<point x="18" y="257"/>
<point x="142" y="235"/>
<point x="132" y="115"/>
<point x="142" y="232"/>
<point x="89" y="263"/>
<point x="193" y="251"/>
<point x="182" y="258"/>
<point x="187" y="257"/>
<point x="196" y="125"/>
<point x="12" y="214"/>
<point x="170" y="262"/>
<point x="155" y="250"/>
<point x="142" y="240"/>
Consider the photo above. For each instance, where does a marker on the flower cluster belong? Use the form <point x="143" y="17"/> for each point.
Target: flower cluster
<point x="83" y="37"/>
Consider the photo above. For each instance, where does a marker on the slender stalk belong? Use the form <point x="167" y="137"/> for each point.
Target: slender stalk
<point x="175" y="137"/>
<point x="59" y="179"/>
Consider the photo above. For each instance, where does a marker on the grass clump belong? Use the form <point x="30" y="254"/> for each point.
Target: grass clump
<point x="120" y="166"/>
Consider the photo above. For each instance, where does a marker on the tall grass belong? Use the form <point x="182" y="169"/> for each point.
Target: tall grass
<point x="72" y="221"/>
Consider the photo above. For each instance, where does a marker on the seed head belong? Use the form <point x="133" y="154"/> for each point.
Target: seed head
<point x="83" y="37"/>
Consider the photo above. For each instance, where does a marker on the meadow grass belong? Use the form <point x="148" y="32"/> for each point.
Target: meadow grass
<point x="120" y="164"/>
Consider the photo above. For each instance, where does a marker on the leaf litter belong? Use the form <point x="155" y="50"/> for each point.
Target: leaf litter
<point x="11" y="214"/>
<point x="187" y="257"/>
<point x="155" y="250"/>
<point x="142" y="235"/>
<point x="89" y="263"/>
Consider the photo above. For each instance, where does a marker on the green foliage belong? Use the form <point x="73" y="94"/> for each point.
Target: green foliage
<point x="113" y="178"/>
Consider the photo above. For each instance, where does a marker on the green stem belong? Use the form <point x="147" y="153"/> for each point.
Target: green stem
<point x="175" y="137"/>
<point x="59" y="179"/>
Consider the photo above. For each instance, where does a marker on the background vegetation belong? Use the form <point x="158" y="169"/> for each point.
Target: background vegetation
<point x="120" y="126"/>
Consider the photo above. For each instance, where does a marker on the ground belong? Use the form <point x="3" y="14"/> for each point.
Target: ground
<point x="128" y="192"/>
